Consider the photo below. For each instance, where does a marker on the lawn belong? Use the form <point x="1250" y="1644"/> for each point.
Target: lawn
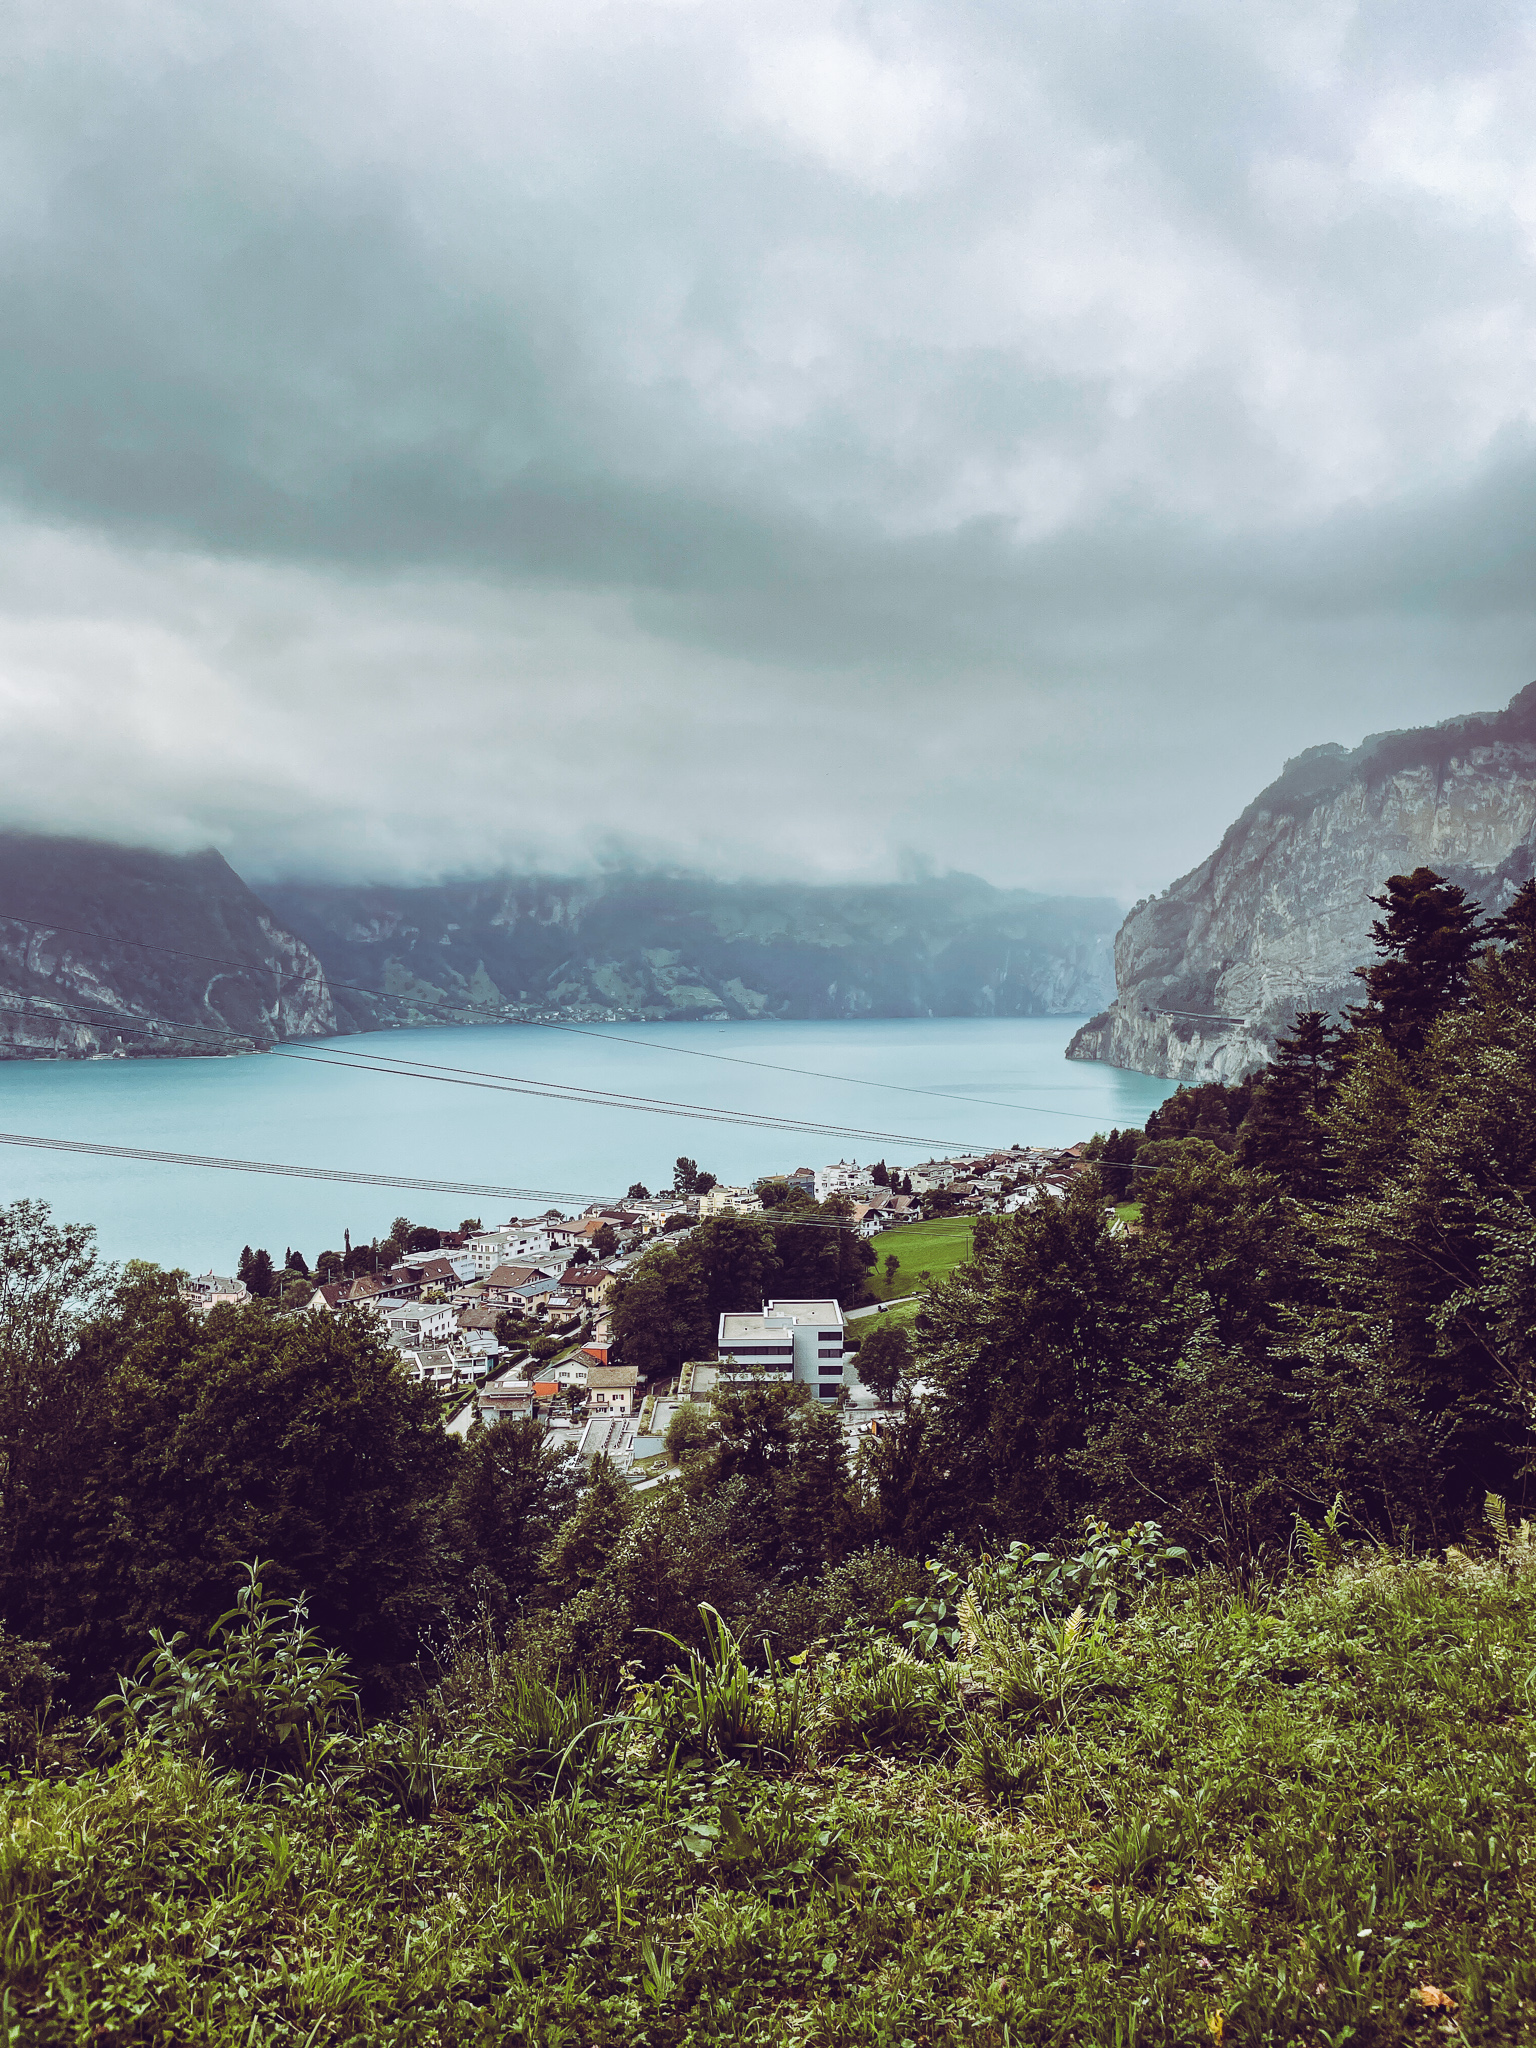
<point x="936" y="1248"/>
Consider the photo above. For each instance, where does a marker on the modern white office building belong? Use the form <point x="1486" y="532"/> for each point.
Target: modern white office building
<point x="790" y="1341"/>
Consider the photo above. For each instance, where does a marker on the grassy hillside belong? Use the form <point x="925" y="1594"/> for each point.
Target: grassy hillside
<point x="936" y="1247"/>
<point x="1306" y="1819"/>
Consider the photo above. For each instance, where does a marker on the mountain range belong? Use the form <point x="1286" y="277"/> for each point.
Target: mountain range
<point x="109" y="949"/>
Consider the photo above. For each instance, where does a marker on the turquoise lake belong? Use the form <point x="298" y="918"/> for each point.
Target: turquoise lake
<point x="978" y="1081"/>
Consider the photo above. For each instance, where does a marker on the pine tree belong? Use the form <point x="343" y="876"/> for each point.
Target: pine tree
<point x="1427" y="941"/>
<point x="1282" y="1132"/>
<point x="1511" y="971"/>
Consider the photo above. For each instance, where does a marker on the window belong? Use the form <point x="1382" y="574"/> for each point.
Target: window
<point x="828" y="1371"/>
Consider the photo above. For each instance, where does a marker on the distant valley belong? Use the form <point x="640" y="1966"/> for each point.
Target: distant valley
<point x="109" y="950"/>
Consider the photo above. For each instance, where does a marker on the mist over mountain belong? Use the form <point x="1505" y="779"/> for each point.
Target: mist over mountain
<point x="1279" y="916"/>
<point x="664" y="946"/>
<point x="107" y="949"/>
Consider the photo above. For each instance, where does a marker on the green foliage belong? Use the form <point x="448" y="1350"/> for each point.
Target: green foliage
<point x="687" y="1431"/>
<point x="1114" y="1567"/>
<point x="1300" y="1819"/>
<point x="885" y="1359"/>
<point x="262" y="1692"/>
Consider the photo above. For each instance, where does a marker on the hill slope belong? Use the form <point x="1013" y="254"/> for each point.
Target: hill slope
<point x="1279" y="916"/>
<point x="106" y="948"/>
<point x="658" y="946"/>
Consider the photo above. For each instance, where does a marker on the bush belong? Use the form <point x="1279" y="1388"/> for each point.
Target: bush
<point x="884" y="1699"/>
<point x="27" y="1687"/>
<point x="262" y="1692"/>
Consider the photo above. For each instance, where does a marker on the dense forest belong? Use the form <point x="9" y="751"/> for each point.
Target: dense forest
<point x="1250" y="1405"/>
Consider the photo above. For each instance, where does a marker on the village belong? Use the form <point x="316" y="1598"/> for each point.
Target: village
<point x="513" y="1321"/>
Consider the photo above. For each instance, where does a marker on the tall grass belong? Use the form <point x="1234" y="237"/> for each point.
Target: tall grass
<point x="1299" y="1819"/>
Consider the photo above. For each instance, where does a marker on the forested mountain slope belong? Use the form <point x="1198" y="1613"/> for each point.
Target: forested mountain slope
<point x="663" y="946"/>
<point x="106" y="948"/>
<point x="1279" y="916"/>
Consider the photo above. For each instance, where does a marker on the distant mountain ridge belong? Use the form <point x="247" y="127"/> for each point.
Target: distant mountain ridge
<point x="662" y="946"/>
<point x="1279" y="916"/>
<point x="111" y="949"/>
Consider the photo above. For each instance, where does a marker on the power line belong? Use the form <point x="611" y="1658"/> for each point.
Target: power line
<point x="326" y="1173"/>
<point x="598" y="1098"/>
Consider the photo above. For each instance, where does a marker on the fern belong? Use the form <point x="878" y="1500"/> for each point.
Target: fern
<point x="1325" y="1546"/>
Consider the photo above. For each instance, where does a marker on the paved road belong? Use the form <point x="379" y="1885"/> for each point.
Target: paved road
<point x="876" y="1306"/>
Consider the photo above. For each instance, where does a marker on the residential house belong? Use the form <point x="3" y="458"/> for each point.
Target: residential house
<point x="722" y="1201"/>
<point x="611" y="1389"/>
<point x="790" y="1341"/>
<point x="408" y="1325"/>
<point x="204" y="1291"/>
<point x="505" y="1283"/>
<point x="590" y="1286"/>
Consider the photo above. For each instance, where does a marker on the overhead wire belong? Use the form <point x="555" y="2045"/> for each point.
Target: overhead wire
<point x="596" y="1098"/>
<point x="326" y="1173"/>
<point x="575" y="1094"/>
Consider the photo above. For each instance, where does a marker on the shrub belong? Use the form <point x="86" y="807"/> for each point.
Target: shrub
<point x="263" y="1691"/>
<point x="885" y="1699"/>
<point x="27" y="1684"/>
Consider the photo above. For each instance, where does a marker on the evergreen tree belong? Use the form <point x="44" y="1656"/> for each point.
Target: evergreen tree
<point x="1510" y="972"/>
<point x="1427" y="941"/>
<point x="815" y="1514"/>
<point x="879" y="1175"/>
<point x="588" y="1539"/>
<point x="258" y="1274"/>
<point x="1283" y="1130"/>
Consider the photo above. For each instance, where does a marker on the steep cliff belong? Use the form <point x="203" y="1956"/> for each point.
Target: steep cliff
<point x="658" y="946"/>
<point x="109" y="949"/>
<point x="1279" y="916"/>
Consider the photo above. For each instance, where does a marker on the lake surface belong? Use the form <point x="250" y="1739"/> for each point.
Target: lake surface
<point x="979" y="1081"/>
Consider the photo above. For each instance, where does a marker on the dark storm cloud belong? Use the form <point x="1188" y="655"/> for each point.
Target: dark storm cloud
<point x="1004" y="432"/>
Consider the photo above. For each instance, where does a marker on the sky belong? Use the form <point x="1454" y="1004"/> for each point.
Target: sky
<point x="841" y="442"/>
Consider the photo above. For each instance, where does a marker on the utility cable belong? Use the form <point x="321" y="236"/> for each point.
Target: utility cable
<point x="512" y="1084"/>
<point x="326" y="1173"/>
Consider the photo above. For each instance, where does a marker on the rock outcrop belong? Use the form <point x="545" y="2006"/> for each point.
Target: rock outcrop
<point x="664" y="946"/>
<point x="1279" y="916"/>
<point x="112" y="949"/>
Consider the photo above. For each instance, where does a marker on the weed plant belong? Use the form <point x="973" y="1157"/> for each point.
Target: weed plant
<point x="1197" y="1817"/>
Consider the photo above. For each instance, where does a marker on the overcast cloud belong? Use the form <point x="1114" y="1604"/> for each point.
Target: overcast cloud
<point x="776" y="438"/>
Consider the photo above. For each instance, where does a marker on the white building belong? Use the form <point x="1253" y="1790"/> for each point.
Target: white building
<point x="729" y="1202"/>
<point x="791" y="1341"/>
<point x="204" y="1291"/>
<point x="413" y="1323"/>
<point x="841" y="1179"/>
<point x="513" y="1244"/>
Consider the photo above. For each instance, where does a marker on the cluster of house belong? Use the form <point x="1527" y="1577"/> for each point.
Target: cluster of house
<point x="986" y="1183"/>
<point x="446" y="1311"/>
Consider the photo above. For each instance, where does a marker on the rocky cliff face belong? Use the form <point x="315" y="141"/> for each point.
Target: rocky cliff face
<point x="649" y="946"/>
<point x="1279" y="916"/>
<point x="107" y="949"/>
